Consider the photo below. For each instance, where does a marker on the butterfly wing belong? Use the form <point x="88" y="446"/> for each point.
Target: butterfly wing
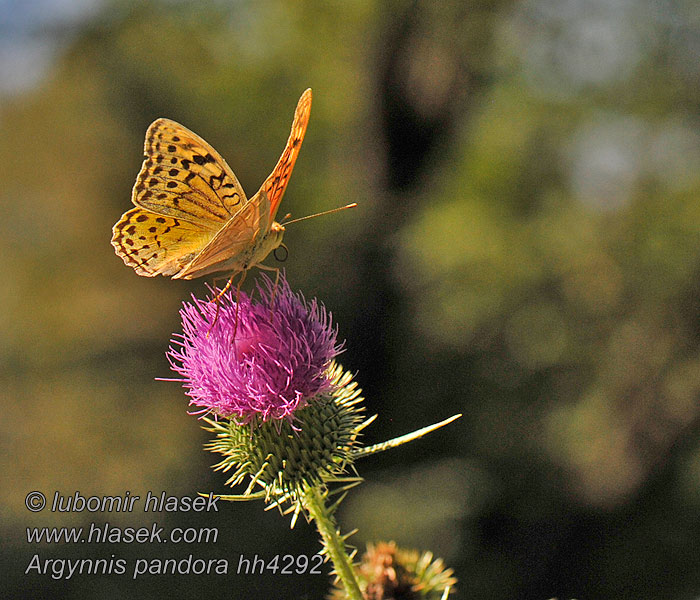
<point x="233" y="248"/>
<point x="155" y="244"/>
<point x="184" y="195"/>
<point x="275" y="185"/>
<point x="184" y="177"/>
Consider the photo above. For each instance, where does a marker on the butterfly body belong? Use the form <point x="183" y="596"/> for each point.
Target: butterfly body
<point x="191" y="216"/>
<point x="260" y="247"/>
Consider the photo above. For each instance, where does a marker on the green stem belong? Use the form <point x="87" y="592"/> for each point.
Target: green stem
<point x="335" y="546"/>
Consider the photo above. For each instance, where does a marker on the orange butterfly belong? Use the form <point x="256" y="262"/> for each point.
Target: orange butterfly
<point x="192" y="217"/>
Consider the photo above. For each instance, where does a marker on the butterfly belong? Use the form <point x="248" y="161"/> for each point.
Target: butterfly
<point x="191" y="216"/>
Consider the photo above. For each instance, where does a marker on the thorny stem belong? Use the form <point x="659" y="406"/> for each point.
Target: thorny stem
<point x="333" y="541"/>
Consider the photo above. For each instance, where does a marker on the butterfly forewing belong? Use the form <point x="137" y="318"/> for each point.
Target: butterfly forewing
<point x="184" y="177"/>
<point x="275" y="185"/>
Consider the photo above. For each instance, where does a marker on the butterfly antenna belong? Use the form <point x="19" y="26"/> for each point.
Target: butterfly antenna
<point x="325" y="212"/>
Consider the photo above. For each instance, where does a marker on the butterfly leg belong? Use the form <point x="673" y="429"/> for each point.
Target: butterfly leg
<point x="226" y="288"/>
<point x="238" y="293"/>
<point x="221" y="293"/>
<point x="274" y="289"/>
<point x="216" y="281"/>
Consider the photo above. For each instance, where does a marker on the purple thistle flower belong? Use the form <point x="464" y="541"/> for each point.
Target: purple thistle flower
<point x="274" y="366"/>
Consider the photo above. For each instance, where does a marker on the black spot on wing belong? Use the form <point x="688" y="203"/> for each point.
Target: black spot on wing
<point x="203" y="160"/>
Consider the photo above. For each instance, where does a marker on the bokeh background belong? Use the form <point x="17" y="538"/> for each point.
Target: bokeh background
<point x="526" y="251"/>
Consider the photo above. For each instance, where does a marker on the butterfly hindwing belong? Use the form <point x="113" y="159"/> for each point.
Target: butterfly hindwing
<point x="155" y="244"/>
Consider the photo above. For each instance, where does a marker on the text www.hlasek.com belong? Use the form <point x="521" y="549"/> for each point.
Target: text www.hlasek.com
<point x="122" y="535"/>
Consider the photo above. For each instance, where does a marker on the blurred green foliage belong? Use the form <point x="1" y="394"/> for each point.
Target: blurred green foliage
<point x="526" y="251"/>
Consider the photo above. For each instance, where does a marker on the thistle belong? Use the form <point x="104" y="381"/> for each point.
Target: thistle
<point x="286" y="458"/>
<point x="255" y="361"/>
<point x="388" y="572"/>
<point x="287" y="418"/>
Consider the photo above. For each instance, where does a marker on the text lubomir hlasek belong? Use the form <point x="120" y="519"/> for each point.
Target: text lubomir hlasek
<point x="128" y="503"/>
